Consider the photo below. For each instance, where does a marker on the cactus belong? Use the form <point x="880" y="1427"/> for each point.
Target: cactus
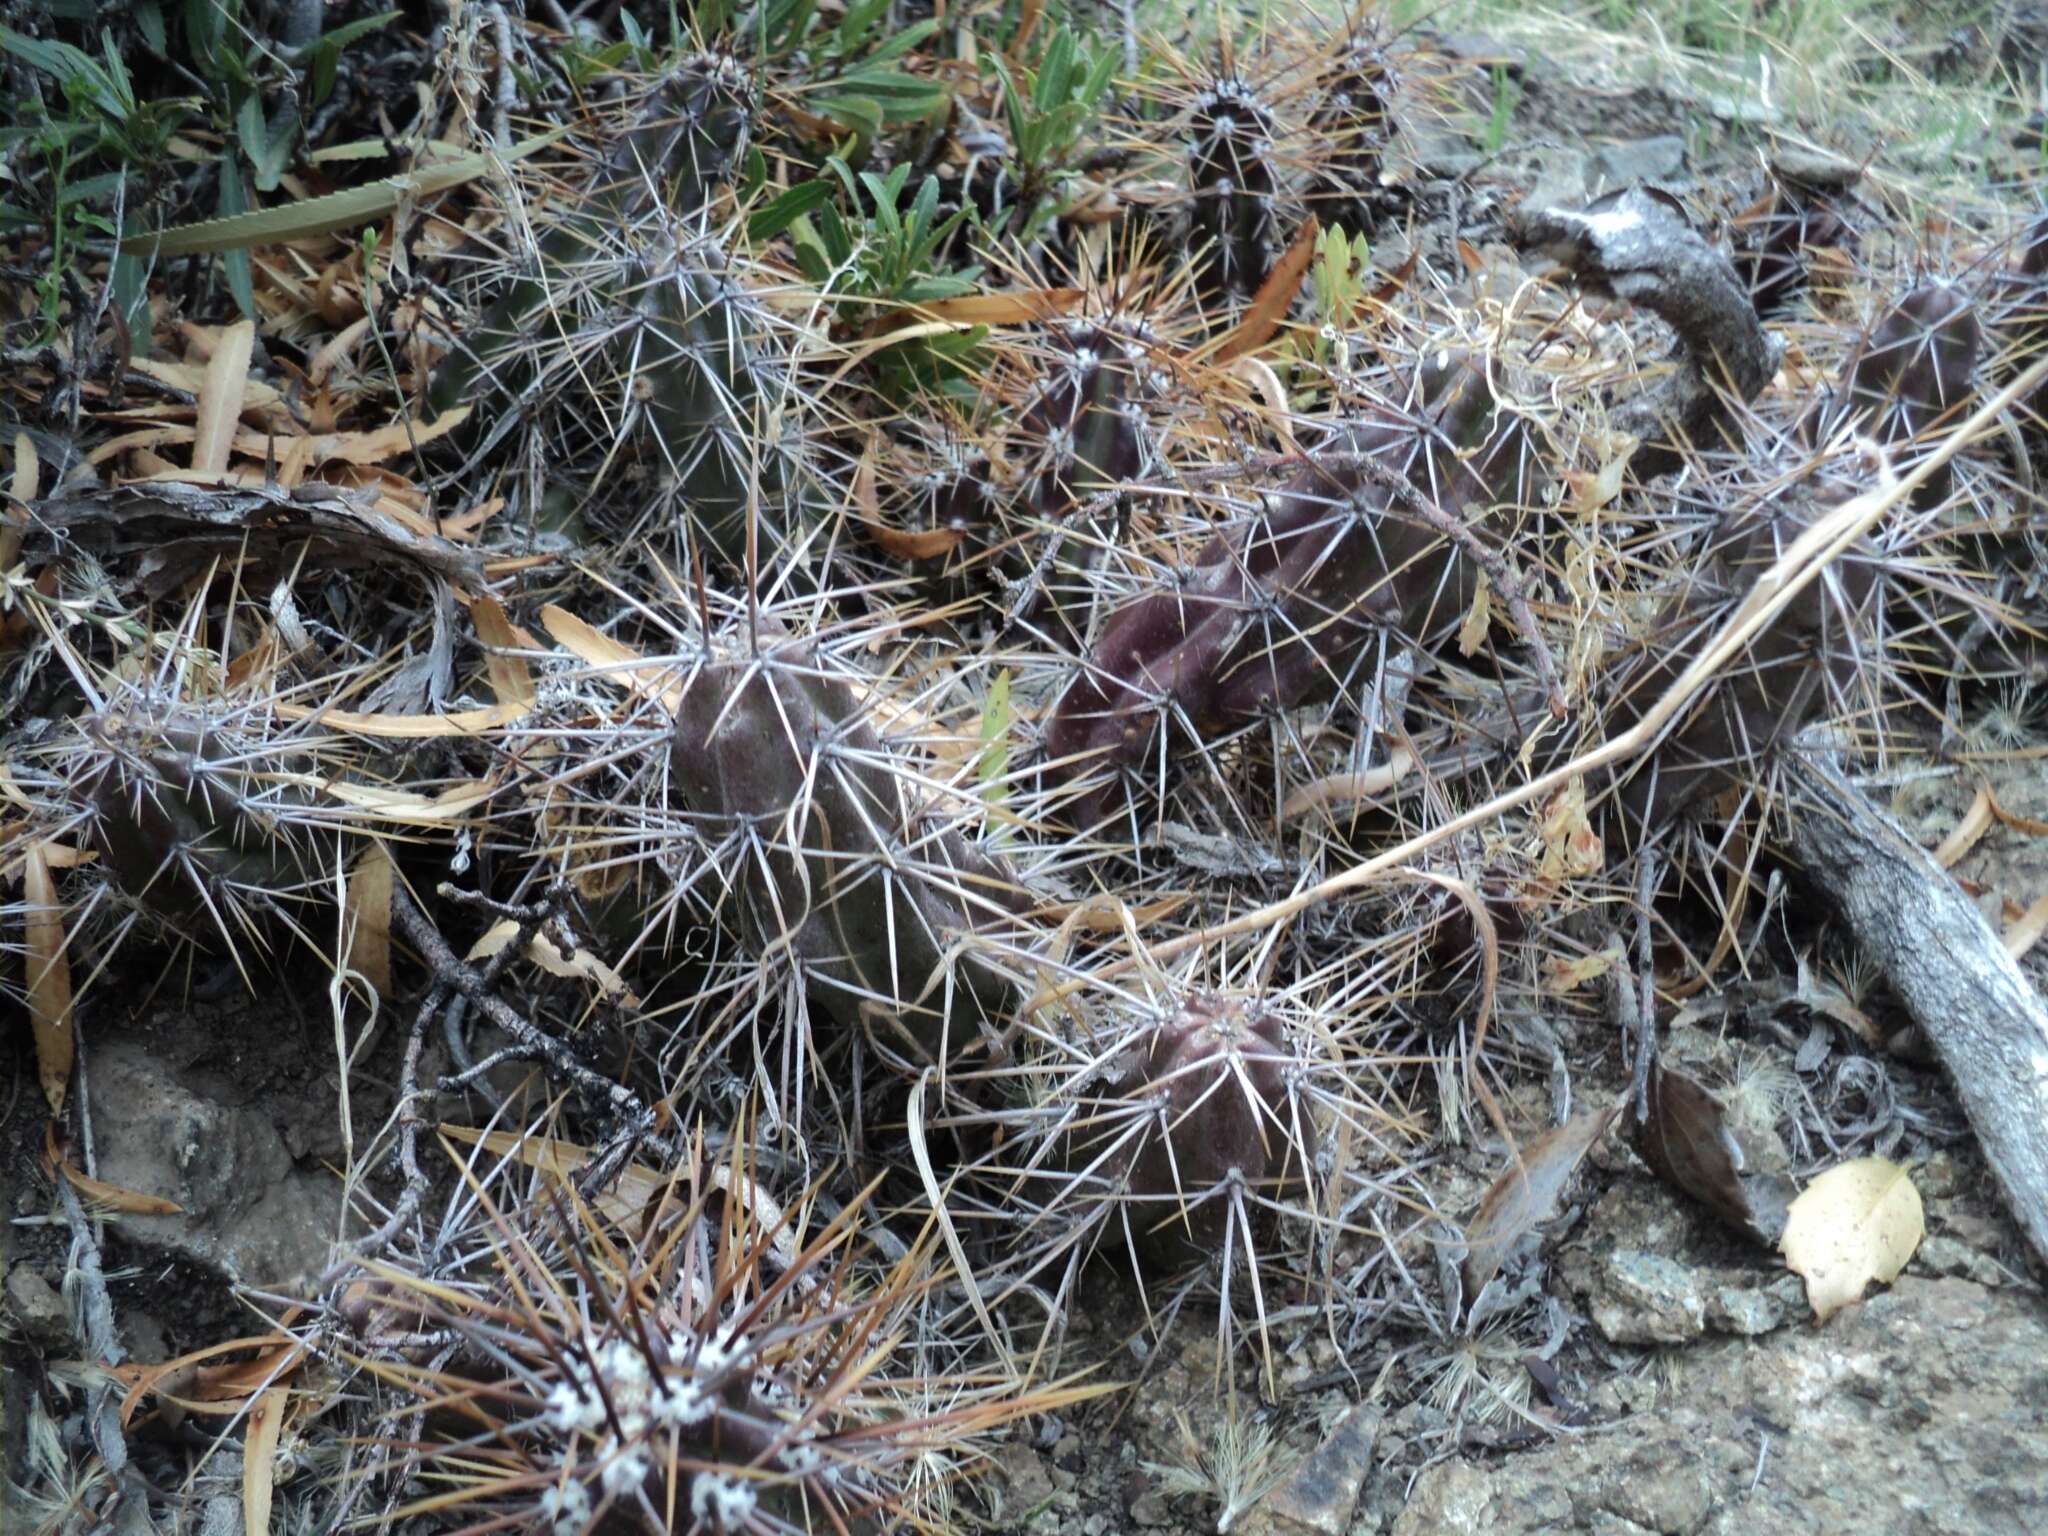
<point x="1081" y="434"/>
<point x="836" y="867"/>
<point x="691" y="132"/>
<point x="1809" y="658"/>
<point x="1233" y="179"/>
<point x="1213" y="1079"/>
<point x="1273" y="610"/>
<point x="1773" y="258"/>
<point x="1912" y="371"/>
<point x="198" y="825"/>
<point x="710" y="401"/>
<point x="1353" y="118"/>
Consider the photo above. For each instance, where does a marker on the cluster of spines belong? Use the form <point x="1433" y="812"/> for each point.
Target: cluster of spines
<point x="692" y="130"/>
<point x="1234" y="178"/>
<point x="196" y="818"/>
<point x="724" y="1372"/>
<point x="706" y="372"/>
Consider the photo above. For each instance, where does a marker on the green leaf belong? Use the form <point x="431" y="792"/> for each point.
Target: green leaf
<point x="234" y="204"/>
<point x="323" y="215"/>
<point x="118" y="82"/>
<point x="348" y="32"/>
<point x="862" y="114"/>
<point x="811" y="257"/>
<point x="149" y="21"/>
<point x="903" y="41"/>
<point x="788" y="208"/>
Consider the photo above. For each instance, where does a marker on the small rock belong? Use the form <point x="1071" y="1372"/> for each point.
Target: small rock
<point x="1752" y="1310"/>
<point x="1645" y="1298"/>
<point x="1149" y="1508"/>
<point x="1655" y="159"/>
<point x="1814" y="168"/>
<point x="39" y="1309"/>
<point x="1027" y="1487"/>
<point x="1945" y="1256"/>
<point x="1561" y="180"/>
<point x="1319" y="1496"/>
<point x="247" y="1210"/>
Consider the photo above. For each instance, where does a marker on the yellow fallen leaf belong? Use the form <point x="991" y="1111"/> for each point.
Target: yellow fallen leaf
<point x="460" y="722"/>
<point x="612" y="659"/>
<point x="1858" y="1222"/>
<point x="511" y="678"/>
<point x="1562" y="975"/>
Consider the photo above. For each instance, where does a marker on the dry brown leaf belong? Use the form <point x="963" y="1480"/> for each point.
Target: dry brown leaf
<point x="1349" y="788"/>
<point x="2016" y="822"/>
<point x="368" y="917"/>
<point x="1270" y="304"/>
<point x="356" y="448"/>
<point x="1592" y="492"/>
<point x="461" y="722"/>
<point x="220" y="398"/>
<point x="2027" y="928"/>
<point x="1021" y="307"/>
<point x="259" y="1458"/>
<point x="219" y="1389"/>
<point x="1688" y="1144"/>
<point x="1561" y="975"/>
<point x="48" y="975"/>
<point x="404" y="808"/>
<point x="21" y="490"/>
<point x="614" y="661"/>
<point x="1571" y="848"/>
<point x="106" y="1196"/>
<point x="511" y="678"/>
<point x="1975" y="823"/>
<point x="1526" y="1195"/>
<point x="1478" y="618"/>
<point x="191" y="379"/>
<point x="1858" y="1222"/>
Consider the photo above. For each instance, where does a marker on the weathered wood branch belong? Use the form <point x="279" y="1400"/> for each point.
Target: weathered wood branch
<point x="1965" y="991"/>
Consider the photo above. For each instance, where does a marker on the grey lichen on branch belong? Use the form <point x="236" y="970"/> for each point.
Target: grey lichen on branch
<point x="1637" y="246"/>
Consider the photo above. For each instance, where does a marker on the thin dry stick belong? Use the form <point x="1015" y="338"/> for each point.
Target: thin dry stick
<point x="1803" y="560"/>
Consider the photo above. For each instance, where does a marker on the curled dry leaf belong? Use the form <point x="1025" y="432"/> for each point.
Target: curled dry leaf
<point x="545" y="953"/>
<point x="1687" y="1143"/>
<point x="100" y="1194"/>
<point x="259" y="1459"/>
<point x="1527" y="1194"/>
<point x="1858" y="1222"/>
<point x="49" y="975"/>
